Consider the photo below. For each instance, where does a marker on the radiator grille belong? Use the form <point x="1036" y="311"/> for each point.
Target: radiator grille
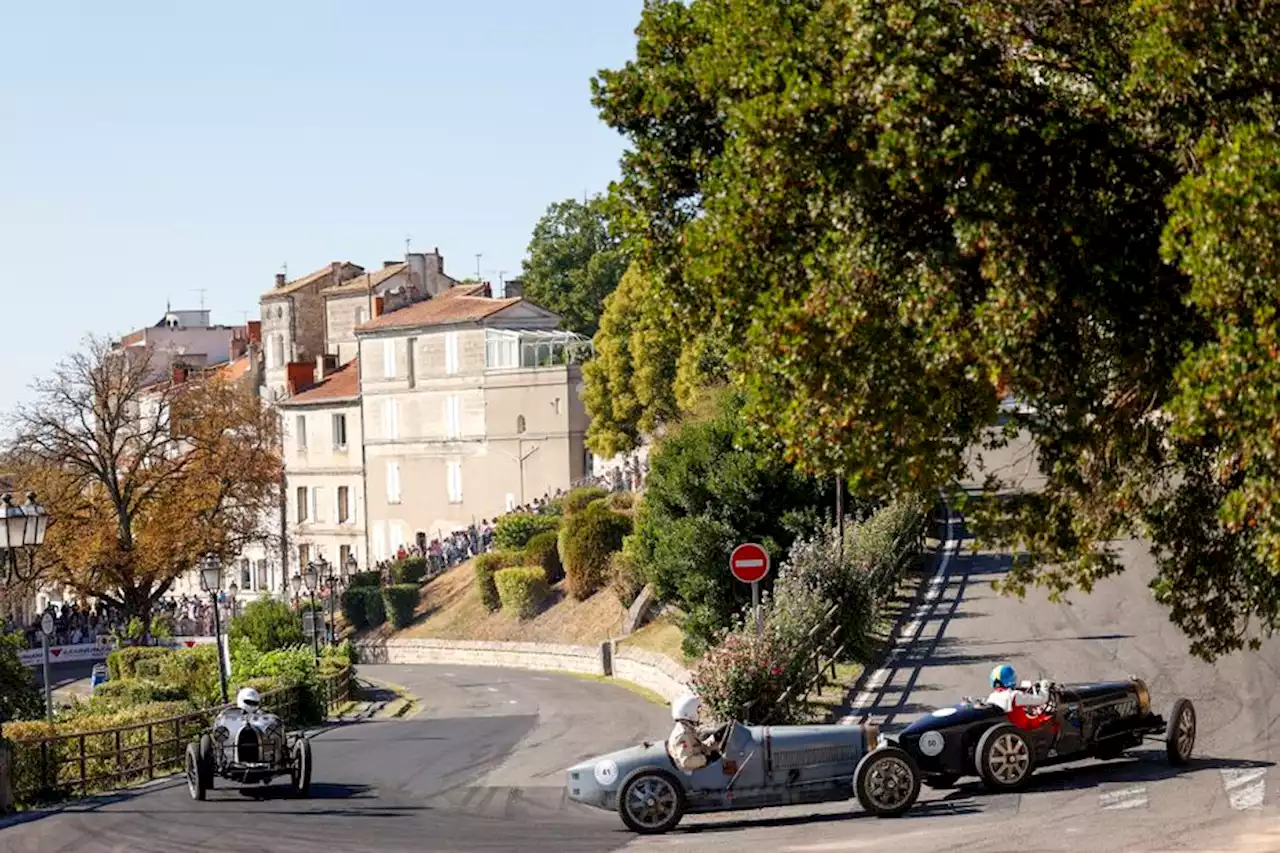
<point x="792" y="758"/>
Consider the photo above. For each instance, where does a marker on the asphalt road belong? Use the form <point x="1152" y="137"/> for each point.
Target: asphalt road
<point x="480" y="768"/>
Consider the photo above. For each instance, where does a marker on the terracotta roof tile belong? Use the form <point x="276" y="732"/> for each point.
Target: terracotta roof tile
<point x="456" y="305"/>
<point x="232" y="370"/>
<point x="341" y="384"/>
<point x="364" y="283"/>
<point x="308" y="279"/>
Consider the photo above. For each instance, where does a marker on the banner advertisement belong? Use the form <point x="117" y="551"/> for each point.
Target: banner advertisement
<point x="99" y="650"/>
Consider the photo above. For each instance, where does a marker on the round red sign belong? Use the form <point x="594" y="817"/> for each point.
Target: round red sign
<point x="749" y="562"/>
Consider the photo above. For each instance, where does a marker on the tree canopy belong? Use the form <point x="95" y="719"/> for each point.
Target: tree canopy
<point x="891" y="209"/>
<point x="142" y="477"/>
<point x="574" y="262"/>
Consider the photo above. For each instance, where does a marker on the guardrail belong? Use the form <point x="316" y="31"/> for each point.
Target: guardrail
<point x="62" y="766"/>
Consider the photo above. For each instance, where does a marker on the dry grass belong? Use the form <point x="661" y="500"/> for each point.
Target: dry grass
<point x="451" y="610"/>
<point x="663" y="636"/>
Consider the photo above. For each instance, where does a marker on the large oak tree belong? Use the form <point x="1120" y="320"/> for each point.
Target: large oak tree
<point x="143" y="474"/>
<point x="892" y="208"/>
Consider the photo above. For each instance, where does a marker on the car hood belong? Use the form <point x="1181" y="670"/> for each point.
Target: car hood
<point x="644" y="753"/>
<point x="952" y="715"/>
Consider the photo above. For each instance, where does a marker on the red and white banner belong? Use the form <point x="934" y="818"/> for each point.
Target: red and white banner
<point x="70" y="654"/>
<point x="185" y="642"/>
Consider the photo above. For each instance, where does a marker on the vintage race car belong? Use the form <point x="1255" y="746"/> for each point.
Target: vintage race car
<point x="1100" y="720"/>
<point x="751" y="767"/>
<point x="248" y="748"/>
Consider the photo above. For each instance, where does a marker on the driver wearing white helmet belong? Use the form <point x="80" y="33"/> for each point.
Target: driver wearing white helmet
<point x="248" y="700"/>
<point x="685" y="744"/>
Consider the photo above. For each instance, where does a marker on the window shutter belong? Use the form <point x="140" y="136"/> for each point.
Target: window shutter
<point x="393" y="482"/>
<point x="451" y="353"/>
<point x="337" y="505"/>
<point x="315" y="495"/>
<point x="389" y="359"/>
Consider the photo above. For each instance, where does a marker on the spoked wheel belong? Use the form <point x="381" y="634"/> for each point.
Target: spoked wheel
<point x="195" y="773"/>
<point x="1005" y="758"/>
<point x="1180" y="735"/>
<point x="206" y="760"/>
<point x="887" y="781"/>
<point x="300" y="774"/>
<point x="651" y="802"/>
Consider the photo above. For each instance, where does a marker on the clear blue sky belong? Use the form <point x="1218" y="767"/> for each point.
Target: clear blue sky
<point x="151" y="149"/>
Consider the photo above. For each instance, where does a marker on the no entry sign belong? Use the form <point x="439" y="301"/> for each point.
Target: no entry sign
<point x="749" y="562"/>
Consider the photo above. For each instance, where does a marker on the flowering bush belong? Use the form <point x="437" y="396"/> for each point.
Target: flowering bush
<point x="744" y="678"/>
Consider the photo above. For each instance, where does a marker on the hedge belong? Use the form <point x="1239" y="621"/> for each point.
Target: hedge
<point x="402" y="600"/>
<point x="409" y="570"/>
<point x="485" y="566"/>
<point x="514" y="530"/>
<point x="544" y="551"/>
<point x="625" y="577"/>
<point x="362" y="606"/>
<point x="122" y="663"/>
<point x="131" y="692"/>
<point x="621" y="501"/>
<point x="373" y="578"/>
<point x="586" y="542"/>
<point x="580" y="498"/>
<point x="522" y="590"/>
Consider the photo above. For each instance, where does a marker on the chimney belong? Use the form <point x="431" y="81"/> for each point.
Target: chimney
<point x="513" y="287"/>
<point x="255" y="331"/>
<point x="335" y="272"/>
<point x="386" y="264"/>
<point x="377" y="306"/>
<point x="280" y="282"/>
<point x="179" y="374"/>
<point x="320" y="363"/>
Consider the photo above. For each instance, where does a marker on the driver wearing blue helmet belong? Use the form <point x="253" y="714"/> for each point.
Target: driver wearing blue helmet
<point x="1007" y="695"/>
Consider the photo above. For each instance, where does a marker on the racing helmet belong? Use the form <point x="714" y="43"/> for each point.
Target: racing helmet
<point x="247" y="699"/>
<point x="1004" y="676"/>
<point x="686" y="708"/>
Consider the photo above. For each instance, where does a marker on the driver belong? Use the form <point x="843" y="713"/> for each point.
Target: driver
<point x="687" y="748"/>
<point x="248" y="700"/>
<point x="1027" y="709"/>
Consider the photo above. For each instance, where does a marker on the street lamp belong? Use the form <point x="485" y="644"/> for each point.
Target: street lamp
<point x="210" y="581"/>
<point x="310" y="578"/>
<point x="21" y="527"/>
<point x="336" y="584"/>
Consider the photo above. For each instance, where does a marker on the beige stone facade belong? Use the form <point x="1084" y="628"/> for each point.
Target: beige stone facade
<point x="293" y="322"/>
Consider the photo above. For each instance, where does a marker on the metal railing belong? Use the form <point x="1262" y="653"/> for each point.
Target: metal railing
<point x="61" y="766"/>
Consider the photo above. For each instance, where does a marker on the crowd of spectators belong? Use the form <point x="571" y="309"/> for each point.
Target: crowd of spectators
<point x="73" y="622"/>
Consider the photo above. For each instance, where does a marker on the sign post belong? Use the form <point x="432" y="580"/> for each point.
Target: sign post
<point x="749" y="563"/>
<point x="46" y="631"/>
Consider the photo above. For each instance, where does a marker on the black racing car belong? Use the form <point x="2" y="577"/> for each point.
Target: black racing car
<point x="1092" y="720"/>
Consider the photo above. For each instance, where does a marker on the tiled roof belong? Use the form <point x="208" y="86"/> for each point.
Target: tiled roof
<point x="308" y="279"/>
<point x="341" y="384"/>
<point x="455" y="305"/>
<point x="230" y="371"/>
<point x="364" y="283"/>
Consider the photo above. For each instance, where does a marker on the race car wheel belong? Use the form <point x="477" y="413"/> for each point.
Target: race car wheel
<point x="887" y="781"/>
<point x="651" y="802"/>
<point x="1005" y="758"/>
<point x="195" y="775"/>
<point x="206" y="760"/>
<point x="300" y="773"/>
<point x="941" y="781"/>
<point x="1180" y="732"/>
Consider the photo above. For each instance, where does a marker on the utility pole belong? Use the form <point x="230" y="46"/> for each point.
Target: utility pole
<point x="478" y="257"/>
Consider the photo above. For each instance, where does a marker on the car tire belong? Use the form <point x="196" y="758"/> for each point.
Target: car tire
<point x="887" y="781"/>
<point x="1005" y="758"/>
<point x="651" y="802"/>
<point x="300" y="775"/>
<point x="1180" y="733"/>
<point x="206" y="760"/>
<point x="195" y="774"/>
<point x="941" y="781"/>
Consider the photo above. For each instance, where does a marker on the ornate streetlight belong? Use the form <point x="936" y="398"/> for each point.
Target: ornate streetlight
<point x="336" y="583"/>
<point x="311" y="578"/>
<point x="210" y="582"/>
<point x="21" y="528"/>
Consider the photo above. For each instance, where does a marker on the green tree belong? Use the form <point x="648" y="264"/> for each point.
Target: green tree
<point x="268" y="624"/>
<point x="893" y="209"/>
<point x="19" y="696"/>
<point x="574" y="262"/>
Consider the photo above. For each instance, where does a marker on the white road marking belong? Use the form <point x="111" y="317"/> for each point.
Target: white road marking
<point x="908" y="635"/>
<point x="492" y="689"/>
<point x="1247" y="788"/>
<point x="512" y="702"/>
<point x="1125" y="798"/>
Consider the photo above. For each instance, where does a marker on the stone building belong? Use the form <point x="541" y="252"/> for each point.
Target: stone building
<point x="293" y="323"/>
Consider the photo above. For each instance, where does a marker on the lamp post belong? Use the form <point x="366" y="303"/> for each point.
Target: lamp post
<point x="311" y="578"/>
<point x="336" y="583"/>
<point x="23" y="528"/>
<point x="210" y="581"/>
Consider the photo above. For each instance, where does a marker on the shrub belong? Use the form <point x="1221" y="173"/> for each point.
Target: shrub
<point x="624" y="577"/>
<point x="363" y="608"/>
<point x="402" y="600"/>
<point x="361" y="579"/>
<point x="118" y="695"/>
<point x="409" y="570"/>
<point x="544" y="551"/>
<point x="578" y="499"/>
<point x="514" y="530"/>
<point x="485" y="566"/>
<point x="162" y="627"/>
<point x="195" y="671"/>
<point x="620" y="501"/>
<point x="522" y="590"/>
<point x="122" y="663"/>
<point x="587" y="540"/>
<point x="746" y="669"/>
<point x="268" y="624"/>
<point x="19" y="695"/>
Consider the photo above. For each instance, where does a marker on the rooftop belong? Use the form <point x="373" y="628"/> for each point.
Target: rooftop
<point x="230" y="371"/>
<point x="308" y="279"/>
<point x="464" y="303"/>
<point x="342" y="384"/>
<point x="365" y="283"/>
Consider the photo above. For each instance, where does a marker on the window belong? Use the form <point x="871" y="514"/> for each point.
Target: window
<point x="340" y="431"/>
<point x="410" y="371"/>
<point x="300" y="429"/>
<point x="389" y="359"/>
<point x="344" y="505"/>
<point x="452" y="416"/>
<point x="393" y="482"/>
<point x="303" y="504"/>
<point x="501" y="349"/>
<point x="304" y="557"/>
<point x="455" y="481"/>
<point x="260" y="570"/>
<point x="391" y="419"/>
<point x="246" y="578"/>
<point x="451" y="353"/>
<point x="344" y="554"/>
<point x="315" y="503"/>
<point x="359" y="316"/>
<point x="520" y="424"/>
<point x="397" y="537"/>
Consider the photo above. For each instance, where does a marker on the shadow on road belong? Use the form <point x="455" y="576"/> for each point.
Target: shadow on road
<point x="935" y="808"/>
<point x="1143" y="766"/>
<point x="319" y="791"/>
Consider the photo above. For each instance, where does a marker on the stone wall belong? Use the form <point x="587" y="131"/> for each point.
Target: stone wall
<point x="650" y="670"/>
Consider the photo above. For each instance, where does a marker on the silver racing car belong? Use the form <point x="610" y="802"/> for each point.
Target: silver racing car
<point x="248" y="746"/>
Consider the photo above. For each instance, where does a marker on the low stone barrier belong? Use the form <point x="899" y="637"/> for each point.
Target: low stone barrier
<point x="650" y="670"/>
